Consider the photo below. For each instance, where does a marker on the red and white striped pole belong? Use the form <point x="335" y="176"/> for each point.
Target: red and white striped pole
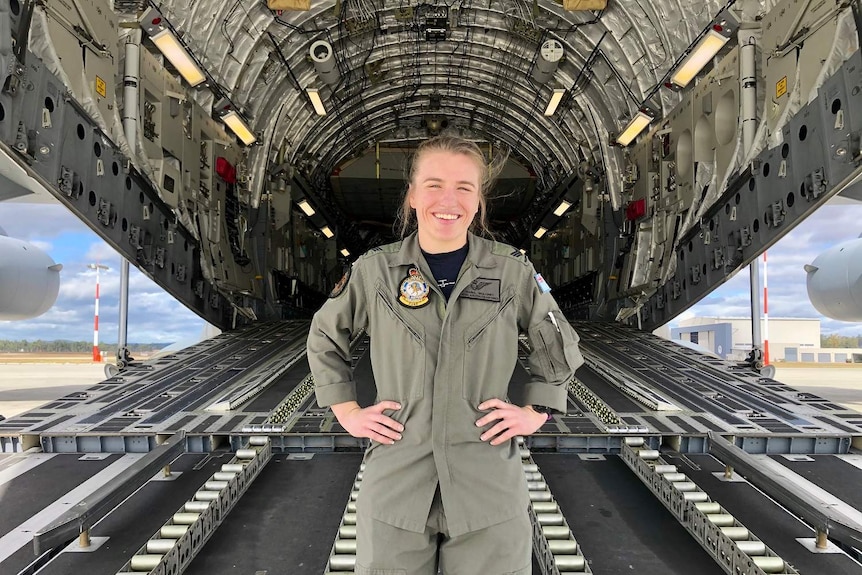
<point x="97" y="356"/>
<point x="765" y="314"/>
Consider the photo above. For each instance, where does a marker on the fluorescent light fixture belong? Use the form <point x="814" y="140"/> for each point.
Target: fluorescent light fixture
<point x="238" y="126"/>
<point x="345" y="253"/>
<point x="327" y="232"/>
<point x="705" y="51"/>
<point x="316" y="101"/>
<point x="556" y="98"/>
<point x="540" y="232"/>
<point x="561" y="209"/>
<point x="635" y="127"/>
<point x="306" y="207"/>
<point x="168" y="44"/>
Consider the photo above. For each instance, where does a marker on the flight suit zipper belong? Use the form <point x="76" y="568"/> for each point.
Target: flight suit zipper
<point x="478" y="334"/>
<point x="548" y="356"/>
<point x="410" y="328"/>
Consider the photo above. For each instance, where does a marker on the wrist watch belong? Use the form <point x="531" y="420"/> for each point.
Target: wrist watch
<point x="543" y="409"/>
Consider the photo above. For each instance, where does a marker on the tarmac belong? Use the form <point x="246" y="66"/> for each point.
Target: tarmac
<point x="26" y="386"/>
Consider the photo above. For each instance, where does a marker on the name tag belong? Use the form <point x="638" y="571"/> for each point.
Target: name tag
<point x="483" y="289"/>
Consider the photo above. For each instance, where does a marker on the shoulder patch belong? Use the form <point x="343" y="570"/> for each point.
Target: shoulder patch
<point x="507" y="250"/>
<point x="342" y="283"/>
<point x="384" y="249"/>
<point x="543" y="285"/>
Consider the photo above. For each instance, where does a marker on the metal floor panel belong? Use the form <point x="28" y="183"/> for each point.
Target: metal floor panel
<point x="275" y="393"/>
<point x="621" y="527"/>
<point x="131" y="524"/>
<point x="831" y="473"/>
<point x="31" y="492"/>
<point x="615" y="399"/>
<point x="287" y="520"/>
<point x="763" y="517"/>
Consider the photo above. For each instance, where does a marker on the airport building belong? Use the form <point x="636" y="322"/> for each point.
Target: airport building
<point x="790" y="339"/>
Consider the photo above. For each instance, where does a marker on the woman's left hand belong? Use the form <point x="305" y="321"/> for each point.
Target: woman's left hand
<point x="513" y="420"/>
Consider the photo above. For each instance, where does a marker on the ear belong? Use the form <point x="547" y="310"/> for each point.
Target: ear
<point x="410" y="196"/>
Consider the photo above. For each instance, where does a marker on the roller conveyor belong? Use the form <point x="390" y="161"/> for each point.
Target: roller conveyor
<point x="272" y="396"/>
<point x="127" y="526"/>
<point x="772" y="523"/>
<point x="615" y="520"/>
<point x="619" y="524"/>
<point x="286" y="520"/>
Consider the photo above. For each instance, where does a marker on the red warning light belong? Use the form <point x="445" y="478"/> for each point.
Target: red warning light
<point x="157" y="21"/>
<point x="718" y="28"/>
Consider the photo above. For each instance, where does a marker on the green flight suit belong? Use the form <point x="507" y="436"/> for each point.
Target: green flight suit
<point x="440" y="361"/>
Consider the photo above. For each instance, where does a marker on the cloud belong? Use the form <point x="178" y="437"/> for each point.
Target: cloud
<point x="38" y="221"/>
<point x="788" y="293"/>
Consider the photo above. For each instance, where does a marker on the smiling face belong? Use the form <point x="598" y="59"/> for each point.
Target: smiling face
<point x="445" y="192"/>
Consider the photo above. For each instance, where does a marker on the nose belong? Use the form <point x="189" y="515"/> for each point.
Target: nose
<point x="449" y="194"/>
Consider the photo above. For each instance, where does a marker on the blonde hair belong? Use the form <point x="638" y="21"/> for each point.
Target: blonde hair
<point x="456" y="145"/>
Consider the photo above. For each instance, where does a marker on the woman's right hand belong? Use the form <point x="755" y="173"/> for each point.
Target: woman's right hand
<point x="369" y="421"/>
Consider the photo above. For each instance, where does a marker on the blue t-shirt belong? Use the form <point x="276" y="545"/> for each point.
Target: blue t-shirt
<point x="445" y="268"/>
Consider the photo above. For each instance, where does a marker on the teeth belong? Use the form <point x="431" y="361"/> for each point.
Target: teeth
<point x="446" y="216"/>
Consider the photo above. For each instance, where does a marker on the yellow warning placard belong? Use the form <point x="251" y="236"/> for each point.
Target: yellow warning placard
<point x="101" y="87"/>
<point x="781" y="87"/>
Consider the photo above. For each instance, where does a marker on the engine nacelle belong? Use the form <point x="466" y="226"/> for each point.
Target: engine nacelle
<point x="835" y="281"/>
<point x="29" y="280"/>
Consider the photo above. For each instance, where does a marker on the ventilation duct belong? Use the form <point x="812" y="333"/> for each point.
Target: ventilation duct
<point x="324" y="62"/>
<point x="549" y="58"/>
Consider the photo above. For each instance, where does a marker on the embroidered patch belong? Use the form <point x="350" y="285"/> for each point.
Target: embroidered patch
<point x="414" y="290"/>
<point x="342" y="283"/>
<point x="482" y="288"/>
<point x="543" y="285"/>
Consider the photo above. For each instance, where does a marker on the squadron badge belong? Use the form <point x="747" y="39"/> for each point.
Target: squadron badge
<point x="342" y="283"/>
<point x="414" y="290"/>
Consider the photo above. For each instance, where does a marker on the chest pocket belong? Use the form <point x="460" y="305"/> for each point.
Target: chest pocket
<point x="491" y="349"/>
<point x="397" y="350"/>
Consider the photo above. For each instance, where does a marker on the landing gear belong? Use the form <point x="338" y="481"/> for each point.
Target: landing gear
<point x="754" y="360"/>
<point x="124" y="358"/>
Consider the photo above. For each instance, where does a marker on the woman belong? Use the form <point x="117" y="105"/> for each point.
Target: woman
<point x="443" y="483"/>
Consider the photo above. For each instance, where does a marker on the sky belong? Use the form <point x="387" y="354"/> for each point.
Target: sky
<point x="155" y="318"/>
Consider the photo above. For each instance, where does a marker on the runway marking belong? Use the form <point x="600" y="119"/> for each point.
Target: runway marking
<point x="22" y="466"/>
<point x="23" y="534"/>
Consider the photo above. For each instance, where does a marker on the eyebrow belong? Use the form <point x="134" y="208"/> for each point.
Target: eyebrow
<point x="432" y="179"/>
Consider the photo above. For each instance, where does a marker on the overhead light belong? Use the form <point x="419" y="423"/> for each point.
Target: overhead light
<point x="556" y="98"/>
<point x="345" y="253"/>
<point x="238" y="126"/>
<point x="316" y="101"/>
<point x="637" y="124"/>
<point x="561" y="209"/>
<point x="540" y="232"/>
<point x="176" y="53"/>
<point x="703" y="52"/>
<point x="327" y="232"/>
<point x="306" y="207"/>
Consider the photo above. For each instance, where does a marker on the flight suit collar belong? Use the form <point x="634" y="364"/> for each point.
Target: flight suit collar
<point x="479" y="253"/>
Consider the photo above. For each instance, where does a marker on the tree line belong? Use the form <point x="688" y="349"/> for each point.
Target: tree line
<point x="66" y="346"/>
<point x="834" y="340"/>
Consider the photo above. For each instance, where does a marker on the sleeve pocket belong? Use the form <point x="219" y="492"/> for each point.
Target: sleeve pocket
<point x="556" y="346"/>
